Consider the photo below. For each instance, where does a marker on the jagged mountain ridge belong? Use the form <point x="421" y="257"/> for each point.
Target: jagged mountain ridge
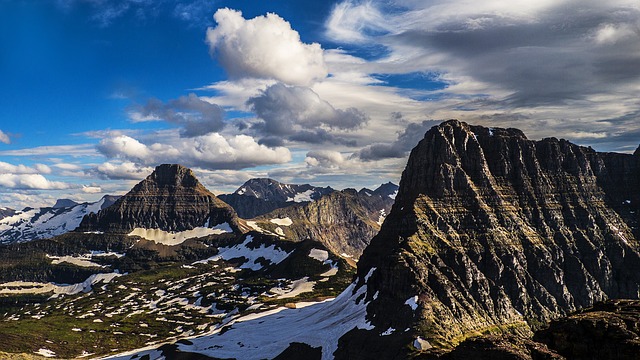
<point x="261" y="195"/>
<point x="344" y="221"/>
<point x="41" y="223"/>
<point x="491" y="230"/>
<point x="170" y="199"/>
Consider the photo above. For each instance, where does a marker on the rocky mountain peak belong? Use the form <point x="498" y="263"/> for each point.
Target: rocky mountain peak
<point x="64" y="203"/>
<point x="491" y="230"/>
<point x="170" y="199"/>
<point x="171" y="177"/>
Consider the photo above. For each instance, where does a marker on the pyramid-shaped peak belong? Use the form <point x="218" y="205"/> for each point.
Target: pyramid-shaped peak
<point x="173" y="174"/>
<point x="172" y="178"/>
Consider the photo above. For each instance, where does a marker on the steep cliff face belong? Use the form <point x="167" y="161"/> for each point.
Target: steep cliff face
<point x="170" y="199"/>
<point x="492" y="232"/>
<point x="343" y="221"/>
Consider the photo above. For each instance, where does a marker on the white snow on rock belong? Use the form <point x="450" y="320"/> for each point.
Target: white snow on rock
<point x="302" y="197"/>
<point x="383" y="216"/>
<point x="412" y="302"/>
<point x="177" y="238"/>
<point x="43" y="223"/>
<point x="82" y="260"/>
<point x="23" y="287"/>
<point x="45" y="352"/>
<point x="279" y="231"/>
<point x="296" y="288"/>
<point x="421" y="344"/>
<point x="282" y="222"/>
<point x="393" y="196"/>
<point x="331" y="272"/>
<point x="269" y="334"/>
<point x="320" y="255"/>
<point x="254" y="226"/>
<point x="389" y="331"/>
<point x="270" y="253"/>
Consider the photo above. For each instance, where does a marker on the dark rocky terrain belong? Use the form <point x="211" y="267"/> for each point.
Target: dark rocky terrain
<point x="260" y="196"/>
<point x="343" y="221"/>
<point x="495" y="233"/>
<point x="170" y="199"/>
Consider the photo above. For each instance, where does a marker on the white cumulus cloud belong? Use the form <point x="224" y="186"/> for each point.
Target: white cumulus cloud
<point x="211" y="151"/>
<point x="30" y="181"/>
<point x="264" y="47"/>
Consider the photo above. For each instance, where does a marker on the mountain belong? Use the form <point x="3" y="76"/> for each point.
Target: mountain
<point x="259" y="196"/>
<point x="166" y="261"/>
<point x="41" y="223"/>
<point x="64" y="203"/>
<point x="389" y="190"/>
<point x="4" y="212"/>
<point x="170" y="199"/>
<point x="343" y="221"/>
<point x="492" y="232"/>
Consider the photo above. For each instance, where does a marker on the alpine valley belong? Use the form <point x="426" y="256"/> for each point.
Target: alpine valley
<point x="492" y="247"/>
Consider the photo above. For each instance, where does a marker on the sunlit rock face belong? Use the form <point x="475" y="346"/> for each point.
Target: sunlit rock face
<point x="170" y="199"/>
<point x="493" y="232"/>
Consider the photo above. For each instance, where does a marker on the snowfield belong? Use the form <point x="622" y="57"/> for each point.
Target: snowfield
<point x="43" y="223"/>
<point x="176" y="238"/>
<point x="282" y="222"/>
<point x="270" y="253"/>
<point x="22" y="287"/>
<point x="267" y="334"/>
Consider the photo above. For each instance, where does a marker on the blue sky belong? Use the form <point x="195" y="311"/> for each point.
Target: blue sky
<point x="95" y="93"/>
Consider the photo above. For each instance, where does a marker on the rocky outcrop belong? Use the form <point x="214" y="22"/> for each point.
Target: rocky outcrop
<point x="170" y="199"/>
<point x="343" y="221"/>
<point x="260" y="196"/>
<point x="606" y="331"/>
<point x="492" y="232"/>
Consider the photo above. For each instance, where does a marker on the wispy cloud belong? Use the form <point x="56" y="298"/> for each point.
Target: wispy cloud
<point x="4" y="138"/>
<point x="53" y="151"/>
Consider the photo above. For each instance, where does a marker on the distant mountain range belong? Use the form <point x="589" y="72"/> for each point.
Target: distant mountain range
<point x="260" y="196"/>
<point x="42" y="223"/>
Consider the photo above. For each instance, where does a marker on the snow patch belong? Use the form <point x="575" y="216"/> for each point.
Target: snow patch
<point x="254" y="226"/>
<point x="383" y="216"/>
<point x="393" y="196"/>
<point x="176" y="238"/>
<point x="302" y="197"/>
<point x="24" y="287"/>
<point x="282" y="222"/>
<point x="412" y="302"/>
<point x="296" y="288"/>
<point x="268" y="334"/>
<point x="82" y="260"/>
<point x="389" y="331"/>
<point x="45" y="352"/>
<point x="421" y="344"/>
<point x="269" y="253"/>
<point x="279" y="231"/>
<point x="320" y="255"/>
